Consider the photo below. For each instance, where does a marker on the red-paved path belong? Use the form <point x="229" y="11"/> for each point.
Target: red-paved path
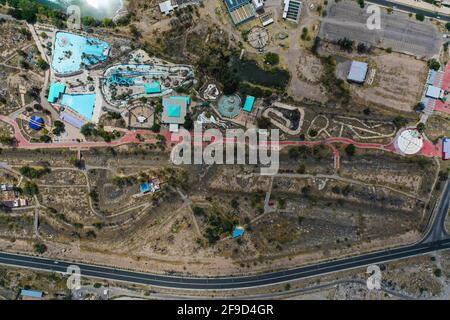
<point x="441" y="105"/>
<point x="23" y="143"/>
<point x="428" y="149"/>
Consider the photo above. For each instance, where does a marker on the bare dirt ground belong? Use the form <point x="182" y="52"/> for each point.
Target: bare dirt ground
<point x="166" y="232"/>
<point x="398" y="83"/>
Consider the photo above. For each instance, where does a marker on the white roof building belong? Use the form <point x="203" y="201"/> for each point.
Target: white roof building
<point x="258" y="4"/>
<point x="358" y="71"/>
<point x="433" y="92"/>
<point x="167" y="7"/>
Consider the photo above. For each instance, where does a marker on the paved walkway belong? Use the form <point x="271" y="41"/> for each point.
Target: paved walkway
<point x="444" y="106"/>
<point x="428" y="150"/>
<point x="25" y="144"/>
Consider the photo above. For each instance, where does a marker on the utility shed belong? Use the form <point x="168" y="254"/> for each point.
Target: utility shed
<point x="446" y="148"/>
<point x="433" y="92"/>
<point x="31" y="293"/>
<point x="358" y="72"/>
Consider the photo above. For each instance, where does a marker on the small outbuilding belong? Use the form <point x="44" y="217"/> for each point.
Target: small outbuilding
<point x="32" y="294"/>
<point x="446" y="148"/>
<point x="358" y="72"/>
<point x="433" y="92"/>
<point x="167" y="7"/>
<point x="238" y="232"/>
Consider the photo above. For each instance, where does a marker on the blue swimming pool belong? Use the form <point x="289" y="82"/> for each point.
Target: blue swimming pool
<point x="83" y="104"/>
<point x="71" y="50"/>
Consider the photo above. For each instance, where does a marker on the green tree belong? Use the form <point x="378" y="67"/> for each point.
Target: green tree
<point x="350" y="150"/>
<point x="421" y="126"/>
<point x="88" y="130"/>
<point x="7" y="140"/>
<point x="188" y="123"/>
<point x="434" y="64"/>
<point x="42" y="64"/>
<point x="40" y="248"/>
<point x="420" y="16"/>
<point x="30" y="188"/>
<point x="263" y="123"/>
<point x="58" y="127"/>
<point x="271" y="58"/>
<point x="45" y="138"/>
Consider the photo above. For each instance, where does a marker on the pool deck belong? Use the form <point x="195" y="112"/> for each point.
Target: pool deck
<point x="98" y="102"/>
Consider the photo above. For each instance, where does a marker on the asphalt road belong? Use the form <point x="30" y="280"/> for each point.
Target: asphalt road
<point x="438" y="232"/>
<point x="398" y="31"/>
<point x="435" y="240"/>
<point x="221" y="283"/>
<point x="410" y="9"/>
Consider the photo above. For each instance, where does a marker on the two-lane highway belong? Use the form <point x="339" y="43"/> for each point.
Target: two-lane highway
<point x="436" y="239"/>
<point x="223" y="283"/>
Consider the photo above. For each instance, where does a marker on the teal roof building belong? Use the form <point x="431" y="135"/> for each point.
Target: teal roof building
<point x="153" y="87"/>
<point x="174" y="111"/>
<point x="248" y="105"/>
<point x="56" y="89"/>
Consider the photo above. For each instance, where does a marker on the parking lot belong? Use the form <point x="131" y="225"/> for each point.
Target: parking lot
<point x="398" y="31"/>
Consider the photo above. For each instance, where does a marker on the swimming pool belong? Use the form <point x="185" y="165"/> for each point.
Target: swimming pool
<point x="72" y="50"/>
<point x="83" y="104"/>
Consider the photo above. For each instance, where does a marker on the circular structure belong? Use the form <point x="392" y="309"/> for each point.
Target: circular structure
<point x="229" y="106"/>
<point x="409" y="141"/>
<point x="258" y="37"/>
<point x="36" y="123"/>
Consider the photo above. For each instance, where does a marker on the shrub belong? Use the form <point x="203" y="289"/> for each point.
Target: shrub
<point x="420" y="16"/>
<point x="40" y="248"/>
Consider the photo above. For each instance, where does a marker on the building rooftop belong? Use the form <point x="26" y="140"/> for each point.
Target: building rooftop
<point x="56" y="89"/>
<point x="175" y="109"/>
<point x="153" y="87"/>
<point x="166" y="7"/>
<point x="291" y="10"/>
<point x="433" y="92"/>
<point x="31" y="293"/>
<point x="446" y="148"/>
<point x="238" y="231"/>
<point x="234" y="4"/>
<point x="248" y="105"/>
<point x="144" y="187"/>
<point x="358" y="71"/>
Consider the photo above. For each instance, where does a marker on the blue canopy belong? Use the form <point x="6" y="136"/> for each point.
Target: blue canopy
<point x="36" y="123"/>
